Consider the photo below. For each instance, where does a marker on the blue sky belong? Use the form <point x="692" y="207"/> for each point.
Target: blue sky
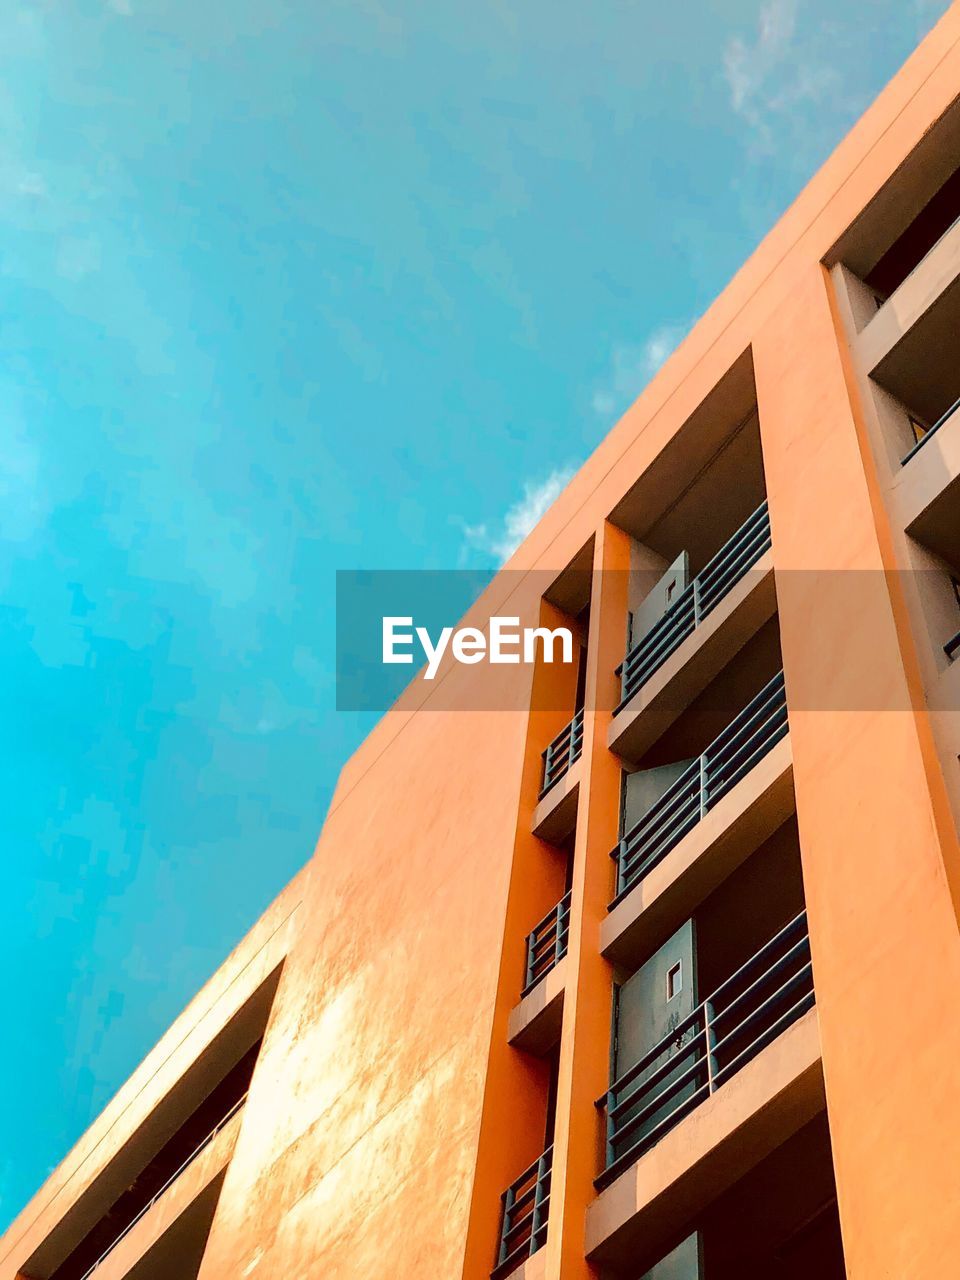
<point x="289" y="288"/>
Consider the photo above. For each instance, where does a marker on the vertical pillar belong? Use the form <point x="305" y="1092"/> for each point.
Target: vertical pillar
<point x="516" y="1083"/>
<point x="585" y="1043"/>
<point x="874" y="827"/>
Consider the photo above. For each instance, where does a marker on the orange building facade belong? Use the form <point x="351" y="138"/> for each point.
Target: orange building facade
<point x="652" y="973"/>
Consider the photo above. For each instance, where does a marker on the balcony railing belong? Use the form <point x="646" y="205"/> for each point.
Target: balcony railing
<point x="952" y="647"/>
<point x="523" y="1222"/>
<point x="695" y="602"/>
<point x="547" y="943"/>
<point x="744" y="742"/>
<point x="201" y="1146"/>
<point x="745" y="1014"/>
<point x="562" y="752"/>
<point x="927" y="434"/>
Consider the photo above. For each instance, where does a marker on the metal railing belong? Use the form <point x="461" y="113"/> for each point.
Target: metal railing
<point x="927" y="434"/>
<point x="695" y="602"/>
<point x="524" y="1208"/>
<point x="745" y="1014"/>
<point x="562" y="752"/>
<point x="547" y="944"/>
<point x="952" y="647"/>
<point x="744" y="742"/>
<point x="205" y="1142"/>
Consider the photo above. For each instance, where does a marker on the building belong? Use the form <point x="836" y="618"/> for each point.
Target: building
<point x="407" y="1068"/>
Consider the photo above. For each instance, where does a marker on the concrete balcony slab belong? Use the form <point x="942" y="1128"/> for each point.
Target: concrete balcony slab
<point x="772" y="1098"/>
<point x="927" y="492"/>
<point x="534" y="1023"/>
<point x="909" y="347"/>
<point x="555" y="817"/>
<point x="727" y="835"/>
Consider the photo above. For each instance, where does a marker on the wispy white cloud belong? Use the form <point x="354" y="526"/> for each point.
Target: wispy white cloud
<point x="632" y="366"/>
<point x="773" y="75"/>
<point x="123" y="7"/>
<point x="503" y="537"/>
<point x="31" y="184"/>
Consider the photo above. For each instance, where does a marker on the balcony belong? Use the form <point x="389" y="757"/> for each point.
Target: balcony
<point x="100" y="1266"/>
<point x="778" y="1219"/>
<point x="547" y="944"/>
<point x="930" y="432"/>
<point x="909" y="346"/>
<point x="524" y="1211"/>
<point x="747" y="1012"/>
<point x="694" y="604"/>
<point x="562" y="753"/>
<point x="555" y="816"/>
<point x="728" y="759"/>
<point x="534" y="1023"/>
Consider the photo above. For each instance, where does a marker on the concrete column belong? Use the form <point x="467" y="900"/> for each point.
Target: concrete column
<point x="516" y="1082"/>
<point x="585" y="1044"/>
<point x="877" y="837"/>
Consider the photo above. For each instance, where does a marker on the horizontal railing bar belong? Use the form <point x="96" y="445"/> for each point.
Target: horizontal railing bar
<point x="524" y="1215"/>
<point x="642" y="862"/>
<point x="665" y="840"/>
<point x="664" y="1125"/>
<point x="729" y="572"/>
<point x="690" y="777"/>
<point x="716" y="790"/>
<point x="668" y="820"/>
<point x="768" y="694"/>
<point x="721" y="573"/>
<point x="657" y="1074"/>
<point x="760" y="1024"/>
<point x="733" y="753"/>
<point x="551" y="916"/>
<point x="544" y="933"/>
<point x="623" y="1131"/>
<point x="547" y="943"/>
<point x="531" y="1169"/>
<point x="755" y="1015"/>
<point x="927" y="434"/>
<point x="765" y="1038"/>
<point x="795" y="951"/>
<point x="672" y="620"/>
<point x="677" y="793"/>
<point x="654" y="657"/>
<point x="692" y="1019"/>
<point x="660" y="1098"/>
<point x="731" y="546"/>
<point x="562" y="752"/>
<point x="773" y="973"/>
<point x="522" y="1200"/>
<point x="743" y="730"/>
<point x="523" y="1223"/>
<point x="169" y="1183"/>
<point x="507" y="1265"/>
<point x="638" y="867"/>
<point x="766" y="720"/>
<point x="717" y="787"/>
<point x="798" y="922"/>
<point x="699" y="1013"/>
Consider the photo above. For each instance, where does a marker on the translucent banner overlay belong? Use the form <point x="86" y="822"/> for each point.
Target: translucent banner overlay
<point x="462" y="640"/>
